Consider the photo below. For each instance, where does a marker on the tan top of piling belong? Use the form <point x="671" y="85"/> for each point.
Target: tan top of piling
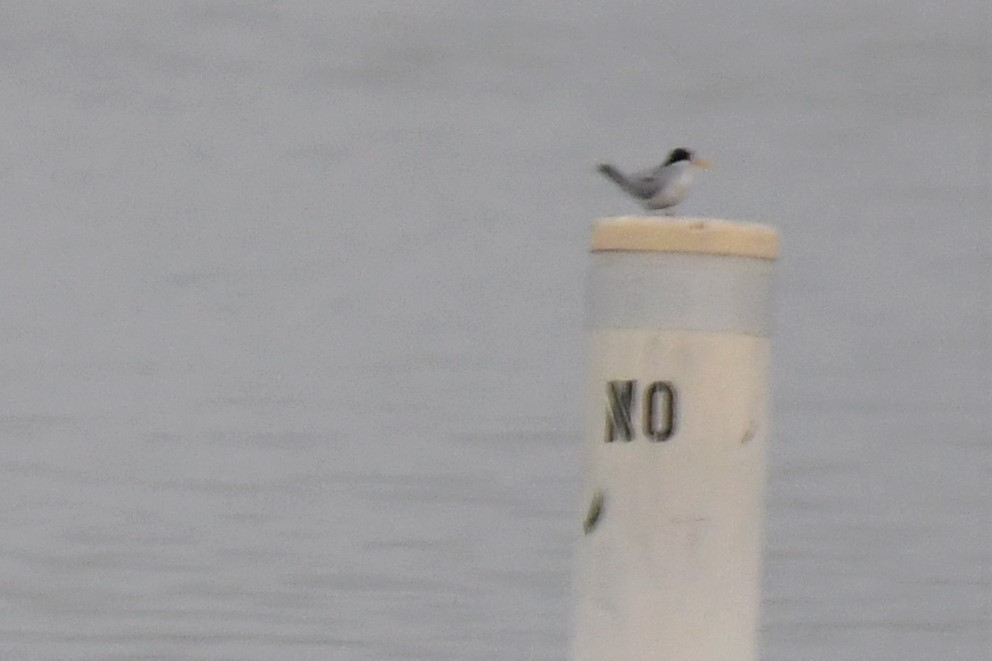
<point x="707" y="236"/>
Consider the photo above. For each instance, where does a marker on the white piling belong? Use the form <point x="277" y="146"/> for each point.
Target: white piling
<point x="669" y="560"/>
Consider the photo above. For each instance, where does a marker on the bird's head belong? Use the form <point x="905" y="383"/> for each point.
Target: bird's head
<point x="682" y="154"/>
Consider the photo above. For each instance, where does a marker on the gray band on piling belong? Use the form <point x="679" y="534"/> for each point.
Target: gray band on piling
<point x="688" y="274"/>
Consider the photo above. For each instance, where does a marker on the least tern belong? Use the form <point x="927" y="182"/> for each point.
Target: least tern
<point x="661" y="187"/>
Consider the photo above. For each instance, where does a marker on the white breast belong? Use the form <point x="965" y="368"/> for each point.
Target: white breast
<point x="677" y="178"/>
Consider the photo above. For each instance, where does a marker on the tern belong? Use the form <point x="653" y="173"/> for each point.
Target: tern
<point x="660" y="187"/>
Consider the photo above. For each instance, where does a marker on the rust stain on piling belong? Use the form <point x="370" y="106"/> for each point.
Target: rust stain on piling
<point x="748" y="433"/>
<point x="595" y="512"/>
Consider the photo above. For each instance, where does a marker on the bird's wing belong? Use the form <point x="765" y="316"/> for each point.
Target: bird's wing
<point x="644" y="184"/>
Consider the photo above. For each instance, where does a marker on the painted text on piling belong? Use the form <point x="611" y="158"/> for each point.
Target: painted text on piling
<point x="658" y="411"/>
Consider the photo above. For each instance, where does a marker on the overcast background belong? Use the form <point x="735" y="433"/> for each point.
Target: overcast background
<point x="291" y="329"/>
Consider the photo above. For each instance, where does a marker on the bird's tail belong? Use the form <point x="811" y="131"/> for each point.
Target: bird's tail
<point x="612" y="173"/>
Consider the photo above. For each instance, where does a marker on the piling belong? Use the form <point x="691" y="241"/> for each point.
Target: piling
<point x="678" y="319"/>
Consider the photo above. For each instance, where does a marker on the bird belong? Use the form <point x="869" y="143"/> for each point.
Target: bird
<point x="662" y="187"/>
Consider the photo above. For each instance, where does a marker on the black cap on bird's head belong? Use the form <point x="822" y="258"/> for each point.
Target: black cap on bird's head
<point x="679" y="154"/>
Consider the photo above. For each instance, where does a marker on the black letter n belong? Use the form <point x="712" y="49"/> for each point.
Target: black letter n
<point x="620" y="400"/>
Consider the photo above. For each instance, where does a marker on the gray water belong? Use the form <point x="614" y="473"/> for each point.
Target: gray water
<point x="291" y="347"/>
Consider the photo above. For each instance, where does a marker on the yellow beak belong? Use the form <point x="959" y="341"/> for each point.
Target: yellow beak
<point x="701" y="163"/>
